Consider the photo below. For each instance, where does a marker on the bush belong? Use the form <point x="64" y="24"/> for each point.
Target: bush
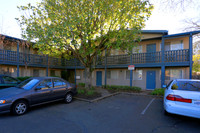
<point x="121" y="88"/>
<point x="158" y="92"/>
<point x="81" y="84"/>
<point x="23" y="78"/>
<point x="81" y="91"/>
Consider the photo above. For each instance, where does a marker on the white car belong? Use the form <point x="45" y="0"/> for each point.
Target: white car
<point x="182" y="97"/>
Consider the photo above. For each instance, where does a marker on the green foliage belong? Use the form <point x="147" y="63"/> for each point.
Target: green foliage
<point x="81" y="84"/>
<point x="196" y="64"/>
<point x="23" y="78"/>
<point x="123" y="88"/>
<point x="158" y="91"/>
<point x="87" y="92"/>
<point x="81" y="91"/>
<point x="85" y="28"/>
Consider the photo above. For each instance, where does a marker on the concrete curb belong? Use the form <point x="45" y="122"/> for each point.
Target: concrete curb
<point x="113" y="94"/>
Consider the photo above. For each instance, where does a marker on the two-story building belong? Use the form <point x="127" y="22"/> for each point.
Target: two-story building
<point x="157" y="59"/>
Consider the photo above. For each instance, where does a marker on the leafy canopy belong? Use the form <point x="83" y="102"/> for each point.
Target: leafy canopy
<point x="84" y="27"/>
<point x="196" y="64"/>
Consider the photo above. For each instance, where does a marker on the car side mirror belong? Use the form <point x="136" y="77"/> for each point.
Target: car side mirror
<point x="38" y="88"/>
<point x="164" y="86"/>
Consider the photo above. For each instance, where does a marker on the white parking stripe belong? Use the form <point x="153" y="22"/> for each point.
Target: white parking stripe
<point x="147" y="106"/>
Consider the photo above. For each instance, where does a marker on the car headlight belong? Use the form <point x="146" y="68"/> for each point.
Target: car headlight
<point x="2" y="101"/>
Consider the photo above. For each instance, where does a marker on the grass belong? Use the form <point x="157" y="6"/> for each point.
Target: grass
<point x="158" y="92"/>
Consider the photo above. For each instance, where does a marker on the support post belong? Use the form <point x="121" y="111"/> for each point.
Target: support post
<point x="105" y="68"/>
<point x="162" y="76"/>
<point x="47" y="66"/>
<point x="131" y="71"/>
<point x="75" y="71"/>
<point x="17" y="58"/>
<point x="190" y="55"/>
<point x="163" y="62"/>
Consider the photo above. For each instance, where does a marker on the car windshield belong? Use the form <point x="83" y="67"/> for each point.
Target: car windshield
<point x="186" y="85"/>
<point x="28" y="84"/>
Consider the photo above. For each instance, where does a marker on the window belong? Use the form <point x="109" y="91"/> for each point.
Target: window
<point x="108" y="75"/>
<point x="58" y="83"/>
<point x="112" y="74"/>
<point x="173" y="74"/>
<point x="186" y="85"/>
<point x="137" y="75"/>
<point x="137" y="49"/>
<point x="9" y="80"/>
<point x="174" y="45"/>
<point x="35" y="72"/>
<point x="45" y="84"/>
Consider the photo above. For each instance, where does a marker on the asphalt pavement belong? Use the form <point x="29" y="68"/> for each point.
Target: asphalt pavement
<point x="117" y="114"/>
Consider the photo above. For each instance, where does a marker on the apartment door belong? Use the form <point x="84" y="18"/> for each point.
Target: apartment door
<point x="99" y="78"/>
<point x="151" y="55"/>
<point x="151" y="80"/>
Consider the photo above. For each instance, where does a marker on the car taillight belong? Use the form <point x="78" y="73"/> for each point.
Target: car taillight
<point x="178" y="98"/>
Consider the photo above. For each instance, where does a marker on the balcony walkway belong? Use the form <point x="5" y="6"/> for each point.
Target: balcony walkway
<point x="171" y="58"/>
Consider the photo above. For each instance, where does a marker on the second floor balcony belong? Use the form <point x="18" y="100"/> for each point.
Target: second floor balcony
<point x="154" y="59"/>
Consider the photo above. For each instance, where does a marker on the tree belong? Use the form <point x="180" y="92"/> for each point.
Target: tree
<point x="196" y="64"/>
<point x="84" y="28"/>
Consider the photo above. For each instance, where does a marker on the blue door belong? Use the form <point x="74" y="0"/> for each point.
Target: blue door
<point x="151" y="80"/>
<point x="99" y="78"/>
<point x="151" y="53"/>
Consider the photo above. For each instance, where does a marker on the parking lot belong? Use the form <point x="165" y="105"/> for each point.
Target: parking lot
<point x="118" y="114"/>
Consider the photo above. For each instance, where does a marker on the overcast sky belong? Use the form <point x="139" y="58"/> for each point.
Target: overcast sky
<point x="163" y="18"/>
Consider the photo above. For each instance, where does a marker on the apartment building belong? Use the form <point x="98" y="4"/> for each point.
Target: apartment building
<point x="158" y="58"/>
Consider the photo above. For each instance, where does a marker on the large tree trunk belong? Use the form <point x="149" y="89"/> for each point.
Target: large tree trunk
<point x="88" y="81"/>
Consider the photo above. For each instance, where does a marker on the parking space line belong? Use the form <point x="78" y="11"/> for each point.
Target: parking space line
<point x="143" y="112"/>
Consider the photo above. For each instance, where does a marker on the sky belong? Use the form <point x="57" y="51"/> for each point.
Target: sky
<point x="162" y="18"/>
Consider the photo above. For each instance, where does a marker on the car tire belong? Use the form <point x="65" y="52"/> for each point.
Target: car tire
<point x="68" y="98"/>
<point x="20" y="107"/>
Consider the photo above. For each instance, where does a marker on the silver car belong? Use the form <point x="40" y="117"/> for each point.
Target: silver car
<point x="182" y="96"/>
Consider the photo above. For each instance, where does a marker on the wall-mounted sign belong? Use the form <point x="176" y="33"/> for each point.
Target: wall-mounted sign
<point x="131" y="67"/>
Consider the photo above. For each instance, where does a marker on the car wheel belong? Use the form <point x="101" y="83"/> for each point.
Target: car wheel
<point x="68" y="98"/>
<point x="20" y="107"/>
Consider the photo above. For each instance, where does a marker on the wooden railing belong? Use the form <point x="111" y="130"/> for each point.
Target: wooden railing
<point x="13" y="58"/>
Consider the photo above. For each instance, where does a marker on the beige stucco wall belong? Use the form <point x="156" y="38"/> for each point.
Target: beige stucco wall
<point x="121" y="79"/>
<point x="12" y="71"/>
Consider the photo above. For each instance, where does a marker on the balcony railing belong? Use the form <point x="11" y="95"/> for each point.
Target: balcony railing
<point x="10" y="57"/>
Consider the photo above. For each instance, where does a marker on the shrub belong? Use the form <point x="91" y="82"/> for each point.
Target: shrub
<point x="158" y="92"/>
<point x="23" y="78"/>
<point x="81" y="91"/>
<point x="121" y="88"/>
<point x="81" y="84"/>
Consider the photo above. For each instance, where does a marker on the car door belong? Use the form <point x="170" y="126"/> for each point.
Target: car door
<point x="42" y="92"/>
<point x="60" y="88"/>
<point x="8" y="82"/>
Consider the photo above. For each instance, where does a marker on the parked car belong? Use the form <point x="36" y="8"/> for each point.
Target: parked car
<point x="8" y="81"/>
<point x="182" y="97"/>
<point x="35" y="91"/>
